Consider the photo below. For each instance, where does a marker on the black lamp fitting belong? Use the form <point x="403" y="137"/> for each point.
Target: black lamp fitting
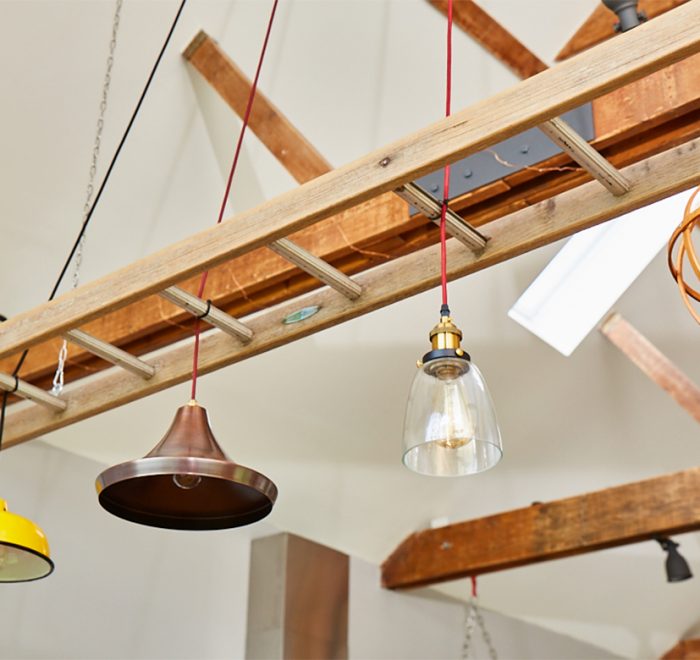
<point x="627" y="12"/>
<point x="677" y="568"/>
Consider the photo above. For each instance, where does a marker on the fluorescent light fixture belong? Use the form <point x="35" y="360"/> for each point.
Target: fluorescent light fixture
<point x="595" y="267"/>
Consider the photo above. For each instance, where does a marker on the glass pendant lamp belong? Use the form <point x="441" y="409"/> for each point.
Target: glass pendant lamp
<point x="450" y="427"/>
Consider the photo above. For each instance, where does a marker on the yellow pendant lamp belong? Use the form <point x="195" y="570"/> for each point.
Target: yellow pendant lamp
<point x="24" y="550"/>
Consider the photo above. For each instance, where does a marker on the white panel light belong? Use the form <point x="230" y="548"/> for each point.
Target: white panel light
<point x="595" y="267"/>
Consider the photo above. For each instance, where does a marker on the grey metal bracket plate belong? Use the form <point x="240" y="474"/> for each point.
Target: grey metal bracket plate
<point x="525" y="149"/>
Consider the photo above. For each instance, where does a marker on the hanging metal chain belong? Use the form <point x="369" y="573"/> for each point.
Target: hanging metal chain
<point x="473" y="617"/>
<point x="78" y="259"/>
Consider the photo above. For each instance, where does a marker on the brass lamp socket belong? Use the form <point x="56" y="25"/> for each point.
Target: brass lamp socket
<point x="445" y="339"/>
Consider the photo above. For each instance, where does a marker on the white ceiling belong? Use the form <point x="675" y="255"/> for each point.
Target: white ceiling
<point x="323" y="416"/>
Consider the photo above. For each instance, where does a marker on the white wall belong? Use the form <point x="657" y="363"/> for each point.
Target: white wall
<point x="423" y="624"/>
<point x="119" y="590"/>
<point x="125" y="591"/>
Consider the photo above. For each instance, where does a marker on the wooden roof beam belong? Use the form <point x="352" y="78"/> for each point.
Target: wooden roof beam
<point x="286" y="143"/>
<point x="298" y="156"/>
<point x="493" y="37"/>
<point x="662" y="506"/>
<point x="283" y="140"/>
<point x="600" y="25"/>
<point x="525" y="230"/>
<point x="653" y="363"/>
<point x="686" y="649"/>
<point x="529" y="103"/>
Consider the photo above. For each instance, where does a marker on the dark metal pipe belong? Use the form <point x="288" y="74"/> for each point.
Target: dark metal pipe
<point x="627" y="12"/>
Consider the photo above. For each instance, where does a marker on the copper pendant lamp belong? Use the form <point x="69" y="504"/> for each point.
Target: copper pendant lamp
<point x="186" y="482"/>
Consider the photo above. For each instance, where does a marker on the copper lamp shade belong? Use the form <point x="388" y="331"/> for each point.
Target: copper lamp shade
<point x="186" y="482"/>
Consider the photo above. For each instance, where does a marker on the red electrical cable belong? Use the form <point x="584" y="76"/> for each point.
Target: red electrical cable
<point x="446" y="177"/>
<point x="473" y="586"/>
<point x="246" y="119"/>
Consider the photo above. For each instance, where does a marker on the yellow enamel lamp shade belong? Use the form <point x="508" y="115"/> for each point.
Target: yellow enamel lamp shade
<point x="24" y="550"/>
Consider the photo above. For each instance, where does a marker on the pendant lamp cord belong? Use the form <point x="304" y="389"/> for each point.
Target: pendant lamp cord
<point x="232" y="171"/>
<point x="89" y="214"/>
<point x="446" y="175"/>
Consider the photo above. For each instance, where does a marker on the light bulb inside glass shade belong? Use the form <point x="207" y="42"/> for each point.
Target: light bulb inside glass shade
<point x="450" y="427"/>
<point x="187" y="481"/>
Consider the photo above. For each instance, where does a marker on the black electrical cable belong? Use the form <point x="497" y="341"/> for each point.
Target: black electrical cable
<point x="88" y="216"/>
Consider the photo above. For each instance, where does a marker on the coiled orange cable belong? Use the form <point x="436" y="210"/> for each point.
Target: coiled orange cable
<point x="683" y="235"/>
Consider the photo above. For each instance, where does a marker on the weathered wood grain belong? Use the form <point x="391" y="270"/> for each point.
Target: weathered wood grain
<point x="276" y="132"/>
<point x="686" y="649"/>
<point x="629" y="57"/>
<point x="653" y="363"/>
<point x="640" y="511"/>
<point x="524" y="230"/>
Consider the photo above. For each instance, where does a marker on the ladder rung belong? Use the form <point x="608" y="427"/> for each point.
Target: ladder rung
<point x="207" y="312"/>
<point x="585" y="155"/>
<point x="317" y="267"/>
<point x="432" y="209"/>
<point x="27" y="391"/>
<point x="110" y="353"/>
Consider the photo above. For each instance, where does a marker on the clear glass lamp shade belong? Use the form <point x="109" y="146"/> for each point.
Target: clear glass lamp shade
<point x="450" y="428"/>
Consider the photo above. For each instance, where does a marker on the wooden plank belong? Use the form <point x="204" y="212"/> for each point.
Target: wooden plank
<point x="288" y="145"/>
<point x="316" y="267"/>
<point x="600" y="25"/>
<point x="249" y="283"/>
<point x="686" y="649"/>
<point x="635" y="512"/>
<point x="525" y="230"/>
<point x="653" y="363"/>
<point x="432" y="209"/>
<point x="651" y="101"/>
<point x="28" y="391"/>
<point x="259" y="279"/>
<point x="493" y="37"/>
<point x="633" y="55"/>
<point x="585" y="155"/>
<point x="274" y="130"/>
<point x="110" y="353"/>
<point x="207" y="312"/>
